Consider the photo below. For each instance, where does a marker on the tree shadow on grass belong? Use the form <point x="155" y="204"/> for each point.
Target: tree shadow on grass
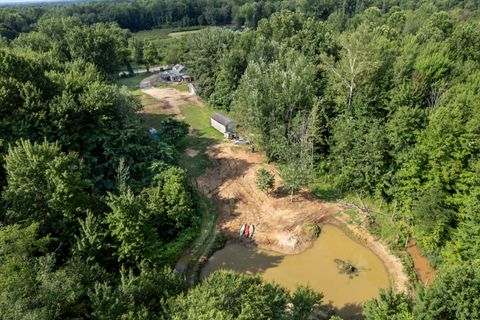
<point x="153" y="119"/>
<point x="325" y="192"/>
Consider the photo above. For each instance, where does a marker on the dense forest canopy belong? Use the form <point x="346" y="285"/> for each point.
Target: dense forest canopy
<point x="144" y="15"/>
<point x="374" y="98"/>
<point x="382" y="105"/>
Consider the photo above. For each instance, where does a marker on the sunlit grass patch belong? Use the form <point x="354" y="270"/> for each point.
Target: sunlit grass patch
<point x="203" y="136"/>
<point x="199" y="119"/>
<point x="133" y="83"/>
<point x="159" y="37"/>
<point x="147" y="100"/>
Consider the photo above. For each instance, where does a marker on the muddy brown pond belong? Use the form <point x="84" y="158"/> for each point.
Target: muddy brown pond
<point x="316" y="267"/>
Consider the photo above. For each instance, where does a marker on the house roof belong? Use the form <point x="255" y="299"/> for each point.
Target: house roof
<point x="220" y="118"/>
<point x="171" y="73"/>
<point x="179" y="68"/>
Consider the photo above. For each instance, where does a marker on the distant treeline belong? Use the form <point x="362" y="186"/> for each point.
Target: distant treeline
<point x="144" y="15"/>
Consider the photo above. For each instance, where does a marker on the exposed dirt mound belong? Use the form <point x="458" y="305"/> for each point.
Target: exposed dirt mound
<point x="279" y="223"/>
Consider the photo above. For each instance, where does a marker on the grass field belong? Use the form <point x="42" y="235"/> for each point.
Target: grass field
<point x="195" y="116"/>
<point x="182" y="33"/>
<point x="199" y="119"/>
<point x="182" y="87"/>
<point x="159" y="37"/>
<point x="133" y="83"/>
<point x="179" y="87"/>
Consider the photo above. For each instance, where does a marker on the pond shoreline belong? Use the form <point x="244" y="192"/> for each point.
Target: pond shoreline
<point x="316" y="267"/>
<point x="399" y="280"/>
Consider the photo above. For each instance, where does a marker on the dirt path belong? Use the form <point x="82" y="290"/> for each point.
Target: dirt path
<point x="280" y="224"/>
<point x="422" y="268"/>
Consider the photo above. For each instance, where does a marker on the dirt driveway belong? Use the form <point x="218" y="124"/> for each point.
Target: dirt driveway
<point x="280" y="224"/>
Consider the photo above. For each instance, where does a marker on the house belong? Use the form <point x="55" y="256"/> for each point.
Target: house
<point x="178" y="73"/>
<point x="222" y="123"/>
<point x="179" y="69"/>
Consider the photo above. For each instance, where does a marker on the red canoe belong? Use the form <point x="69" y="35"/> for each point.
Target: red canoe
<point x="246" y="231"/>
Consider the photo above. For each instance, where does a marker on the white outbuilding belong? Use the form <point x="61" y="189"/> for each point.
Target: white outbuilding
<point x="222" y="123"/>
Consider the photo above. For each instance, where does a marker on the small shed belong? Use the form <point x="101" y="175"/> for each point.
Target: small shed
<point x="222" y="123"/>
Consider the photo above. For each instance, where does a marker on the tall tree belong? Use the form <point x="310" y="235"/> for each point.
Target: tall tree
<point x="150" y="55"/>
<point x="205" y="48"/>
<point x="46" y="186"/>
<point x="389" y="305"/>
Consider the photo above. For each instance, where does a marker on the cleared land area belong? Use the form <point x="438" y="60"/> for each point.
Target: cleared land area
<point x="159" y="37"/>
<point x="225" y="173"/>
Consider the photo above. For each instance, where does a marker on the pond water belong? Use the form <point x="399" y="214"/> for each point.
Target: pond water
<point x="315" y="266"/>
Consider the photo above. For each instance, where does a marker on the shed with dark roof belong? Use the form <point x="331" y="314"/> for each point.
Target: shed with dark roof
<point x="222" y="123"/>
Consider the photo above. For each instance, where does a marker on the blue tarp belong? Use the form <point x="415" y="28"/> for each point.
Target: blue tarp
<point x="154" y="133"/>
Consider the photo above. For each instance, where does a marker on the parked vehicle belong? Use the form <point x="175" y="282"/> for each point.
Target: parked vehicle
<point x="242" y="141"/>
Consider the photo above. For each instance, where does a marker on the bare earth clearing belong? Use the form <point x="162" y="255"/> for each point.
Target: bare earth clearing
<point x="169" y="100"/>
<point x="280" y="225"/>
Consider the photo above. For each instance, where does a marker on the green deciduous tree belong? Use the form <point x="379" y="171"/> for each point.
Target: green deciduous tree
<point x="356" y="64"/>
<point x="45" y="185"/>
<point x="433" y="219"/>
<point x="295" y="175"/>
<point x="359" y="153"/>
<point x="31" y="284"/>
<point x="104" y="45"/>
<point x="206" y="47"/>
<point x="170" y="201"/>
<point x="232" y="67"/>
<point x="265" y="179"/>
<point x="272" y="97"/>
<point x="465" y="42"/>
<point x="141" y="296"/>
<point x="136" y="48"/>
<point x="150" y="55"/>
<point x="304" y="301"/>
<point x="453" y="295"/>
<point x="389" y="305"/>
<point x="129" y="224"/>
<point x="229" y="295"/>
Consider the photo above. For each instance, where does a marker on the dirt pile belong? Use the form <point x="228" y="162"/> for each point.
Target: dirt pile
<point x="279" y="222"/>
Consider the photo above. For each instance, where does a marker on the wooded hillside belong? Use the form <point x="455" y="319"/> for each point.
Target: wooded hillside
<point x="377" y="100"/>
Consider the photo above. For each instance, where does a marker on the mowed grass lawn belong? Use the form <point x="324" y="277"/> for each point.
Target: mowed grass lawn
<point x="133" y="83"/>
<point x="205" y="135"/>
<point x="195" y="116"/>
<point x="179" y="87"/>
